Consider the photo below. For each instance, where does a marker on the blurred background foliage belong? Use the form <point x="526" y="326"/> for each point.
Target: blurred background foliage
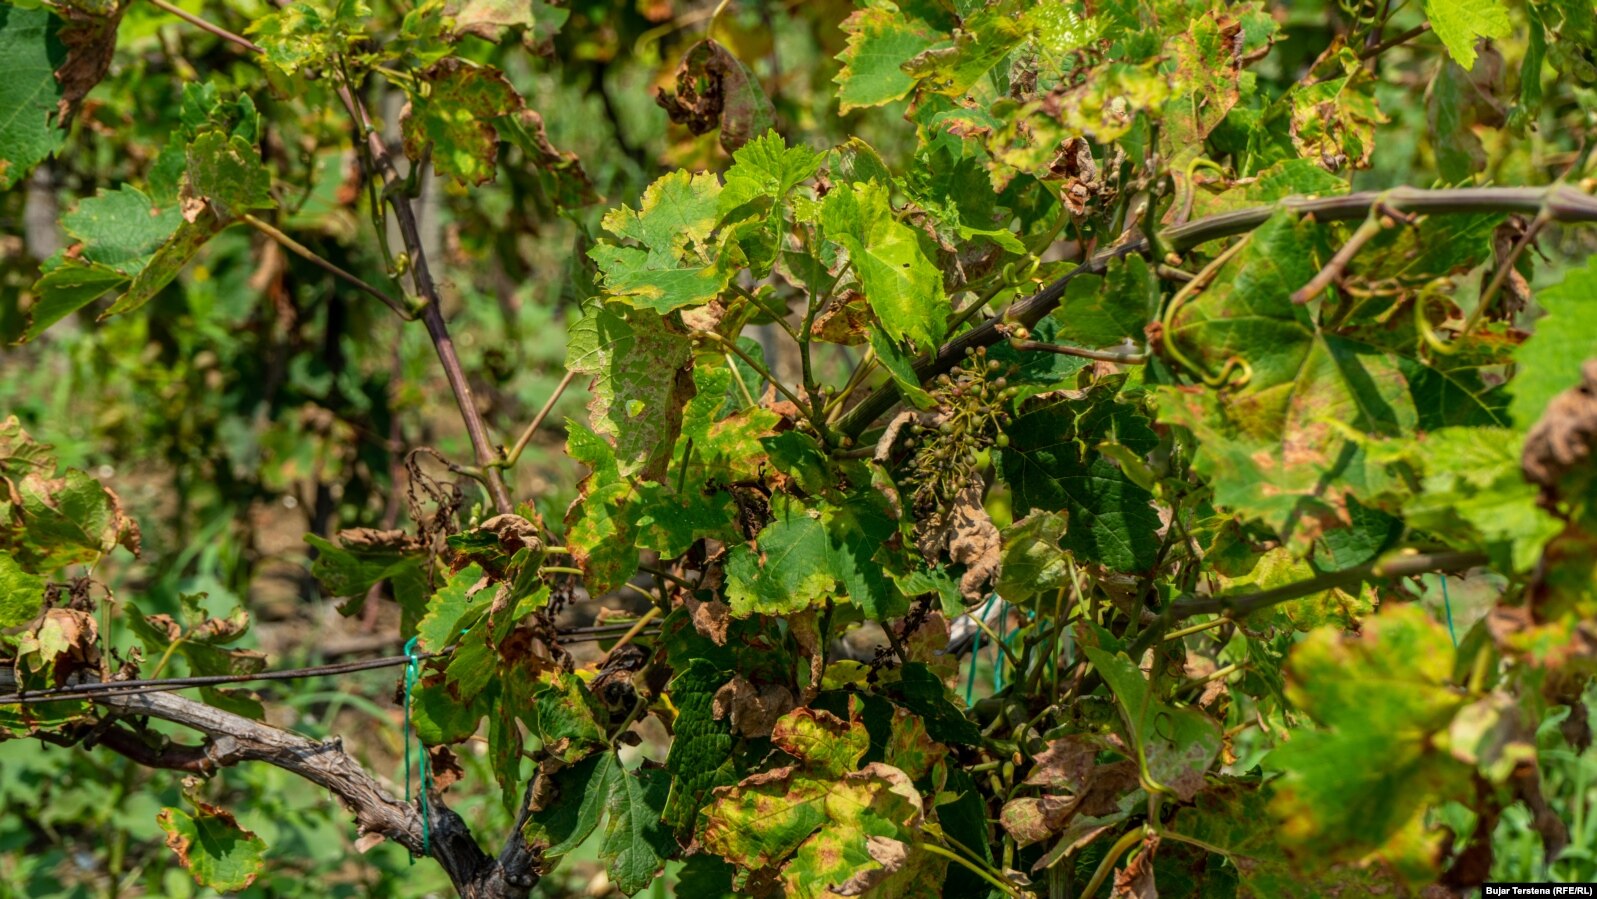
<point x="256" y="401"/>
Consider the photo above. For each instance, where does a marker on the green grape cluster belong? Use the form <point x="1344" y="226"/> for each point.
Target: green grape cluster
<point x="971" y="413"/>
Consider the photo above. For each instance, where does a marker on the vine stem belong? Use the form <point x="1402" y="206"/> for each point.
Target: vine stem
<point x="1400" y="566"/>
<point x="309" y="255"/>
<point x="203" y="25"/>
<point x="432" y="315"/>
<point x="951" y="855"/>
<point x="1124" y="357"/>
<point x="537" y="420"/>
<point x="1389" y="43"/>
<point x="1561" y="202"/>
<point x="1107" y="866"/>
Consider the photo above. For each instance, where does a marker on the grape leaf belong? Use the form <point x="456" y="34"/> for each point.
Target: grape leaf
<point x="1033" y="561"/>
<point x="678" y="264"/>
<point x="806" y="555"/>
<point x="1550" y="361"/>
<point x="581" y="792"/>
<point x="636" y="842"/>
<point x="641" y="381"/>
<point x="227" y="172"/>
<point x="601" y="528"/>
<point x="881" y="39"/>
<point x="701" y="749"/>
<point x="310" y="33"/>
<point x="1383" y="693"/>
<point x="30" y="51"/>
<point x="210" y="843"/>
<point x="65" y="289"/>
<point x="1460" y="23"/>
<point x="902" y="285"/>
<point x="1052" y="463"/>
<point x="455" y="115"/>
<point x="1235" y="819"/>
<point x="21" y="593"/>
<point x="1111" y="310"/>
<point x="1473" y="493"/>
<point x="121" y="229"/>
<point x="1177" y="744"/>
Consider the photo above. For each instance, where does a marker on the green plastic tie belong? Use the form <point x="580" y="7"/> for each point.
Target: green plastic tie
<point x="412" y="670"/>
<point x="1447" y="606"/>
<point x="975" y="651"/>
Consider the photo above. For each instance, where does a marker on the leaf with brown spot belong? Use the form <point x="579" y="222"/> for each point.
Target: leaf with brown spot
<point x="715" y="90"/>
<point x="213" y="847"/>
<point x="454" y="117"/>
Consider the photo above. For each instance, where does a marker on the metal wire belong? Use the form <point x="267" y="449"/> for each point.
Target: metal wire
<point x="103" y="689"/>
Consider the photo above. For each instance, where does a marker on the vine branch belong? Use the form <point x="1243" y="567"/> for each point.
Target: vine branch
<point x="1560" y="203"/>
<point x="234" y="739"/>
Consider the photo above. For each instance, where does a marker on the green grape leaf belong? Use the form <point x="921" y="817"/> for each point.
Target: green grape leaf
<point x="601" y="528"/>
<point x="440" y="718"/>
<point x="636" y="843"/>
<point x="669" y="523"/>
<point x="1473" y="493"/>
<point x="706" y="876"/>
<point x="227" y="173"/>
<point x="766" y="168"/>
<point x="63" y="290"/>
<point x="700" y="756"/>
<point x="801" y="457"/>
<point x="1033" y="562"/>
<point x="1278" y="567"/>
<point x="881" y="39"/>
<point x="1235" y="819"/>
<point x="640" y="382"/>
<point x="1383" y="693"/>
<point x="1052" y="463"/>
<point x="454" y="118"/>
<point x="984" y="38"/>
<point x="900" y="282"/>
<point x="1549" y="362"/>
<point x="165" y="264"/>
<point x="1108" y="311"/>
<point x="31" y="51"/>
<point x="581" y="792"/>
<point x="677" y="263"/>
<point x="1177" y="744"/>
<point x="1286" y="178"/>
<point x="310" y="33"/>
<point x="363" y="558"/>
<point x="47" y="523"/>
<point x="1460" y="23"/>
<point x="21" y="593"/>
<point x="120" y="230"/>
<point x="806" y="555"/>
<point x="1450" y="115"/>
<point x="210" y="843"/>
<point x="919" y="690"/>
<point x="900" y="366"/>
<point x="201" y="640"/>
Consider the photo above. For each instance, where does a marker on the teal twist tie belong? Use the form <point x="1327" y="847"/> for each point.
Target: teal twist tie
<point x="412" y="670"/>
<point x="1447" y="606"/>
